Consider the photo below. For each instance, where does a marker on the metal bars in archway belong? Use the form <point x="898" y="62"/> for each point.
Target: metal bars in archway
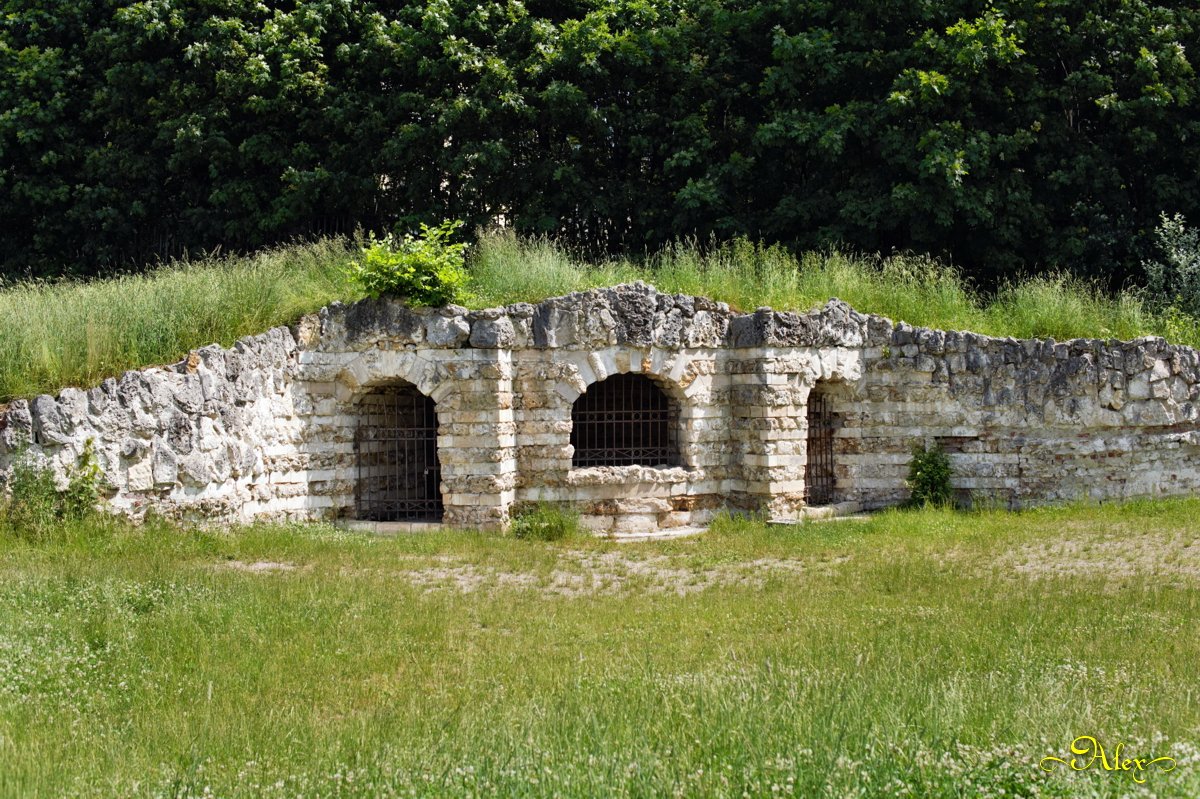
<point x="819" y="473"/>
<point x="399" y="476"/>
<point x="624" y="420"/>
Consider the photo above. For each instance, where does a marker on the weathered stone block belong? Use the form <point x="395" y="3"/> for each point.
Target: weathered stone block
<point x="492" y="333"/>
<point x="446" y="331"/>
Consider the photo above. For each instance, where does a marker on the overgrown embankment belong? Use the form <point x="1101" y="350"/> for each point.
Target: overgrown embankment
<point x="77" y="333"/>
<point x="54" y="335"/>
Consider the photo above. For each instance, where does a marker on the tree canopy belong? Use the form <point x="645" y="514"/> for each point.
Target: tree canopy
<point x="1013" y="135"/>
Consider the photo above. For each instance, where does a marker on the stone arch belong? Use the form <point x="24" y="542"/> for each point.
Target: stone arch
<point x="380" y="367"/>
<point x="396" y="455"/>
<point x="687" y="379"/>
<point x="674" y="373"/>
<point x="626" y="419"/>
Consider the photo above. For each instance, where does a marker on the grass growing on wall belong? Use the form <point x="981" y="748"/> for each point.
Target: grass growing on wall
<point x="78" y="333"/>
<point x="743" y="274"/>
<point x="55" y="335"/>
<point x="917" y="290"/>
<point x="915" y="654"/>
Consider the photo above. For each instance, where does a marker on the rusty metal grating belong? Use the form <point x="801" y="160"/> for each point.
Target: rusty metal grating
<point x="622" y="421"/>
<point x="818" y="473"/>
<point x="399" y="477"/>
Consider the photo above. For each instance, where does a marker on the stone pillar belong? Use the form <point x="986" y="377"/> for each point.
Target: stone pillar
<point x="477" y="441"/>
<point x="768" y="434"/>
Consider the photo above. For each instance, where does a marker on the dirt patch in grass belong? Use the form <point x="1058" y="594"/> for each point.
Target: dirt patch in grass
<point x="259" y="566"/>
<point x="1117" y="554"/>
<point x="591" y="574"/>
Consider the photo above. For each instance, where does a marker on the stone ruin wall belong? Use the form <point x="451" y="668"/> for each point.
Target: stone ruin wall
<point x="266" y="428"/>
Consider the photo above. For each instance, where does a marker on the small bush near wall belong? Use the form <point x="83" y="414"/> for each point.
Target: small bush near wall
<point x="1173" y="280"/>
<point x="425" y="269"/>
<point x="36" y="504"/>
<point x="544" y="522"/>
<point x="929" y="476"/>
<point x="34" y="498"/>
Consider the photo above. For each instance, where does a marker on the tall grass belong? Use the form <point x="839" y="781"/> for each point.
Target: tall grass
<point x="1063" y="307"/>
<point x="916" y="289"/>
<point x="58" y="334"/>
<point x="77" y="333"/>
<point x="744" y="274"/>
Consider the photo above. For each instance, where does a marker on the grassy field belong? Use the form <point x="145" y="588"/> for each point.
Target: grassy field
<point x="924" y="653"/>
<point x="55" y="335"/>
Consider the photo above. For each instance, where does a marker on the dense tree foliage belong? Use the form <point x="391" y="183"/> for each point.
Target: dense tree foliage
<point x="1010" y="135"/>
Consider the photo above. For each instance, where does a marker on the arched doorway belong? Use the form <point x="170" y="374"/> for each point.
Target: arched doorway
<point x="819" y="475"/>
<point x="399" y="476"/>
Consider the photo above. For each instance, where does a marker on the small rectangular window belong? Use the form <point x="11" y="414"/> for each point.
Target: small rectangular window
<point x="818" y="474"/>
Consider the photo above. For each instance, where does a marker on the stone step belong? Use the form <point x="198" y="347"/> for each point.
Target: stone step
<point x="391" y="528"/>
<point x="819" y="513"/>
<point x="657" y="535"/>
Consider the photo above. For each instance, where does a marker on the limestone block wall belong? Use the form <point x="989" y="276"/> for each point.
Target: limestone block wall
<point x="267" y="428"/>
<point x="505" y="380"/>
<point x="1025" y="421"/>
<point x="218" y="435"/>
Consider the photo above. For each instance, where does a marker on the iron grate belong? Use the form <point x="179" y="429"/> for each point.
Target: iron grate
<point x="624" y="420"/>
<point x="818" y="472"/>
<point x="399" y="476"/>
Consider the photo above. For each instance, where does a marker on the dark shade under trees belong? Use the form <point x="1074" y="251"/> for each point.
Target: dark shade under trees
<point x="1009" y="136"/>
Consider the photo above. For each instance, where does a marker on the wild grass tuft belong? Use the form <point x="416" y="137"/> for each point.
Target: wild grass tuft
<point x="1064" y="307"/>
<point x="546" y="522"/>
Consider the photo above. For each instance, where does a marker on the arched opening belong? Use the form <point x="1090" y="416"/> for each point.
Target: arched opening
<point x="399" y="477"/>
<point x="625" y="420"/>
<point x="820" y="479"/>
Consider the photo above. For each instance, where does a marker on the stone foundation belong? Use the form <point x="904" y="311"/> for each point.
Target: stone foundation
<point x="266" y="429"/>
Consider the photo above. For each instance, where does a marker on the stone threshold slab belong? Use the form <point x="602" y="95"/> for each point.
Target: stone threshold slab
<point x="657" y="535"/>
<point x="818" y="513"/>
<point x="403" y="528"/>
<point x="390" y="528"/>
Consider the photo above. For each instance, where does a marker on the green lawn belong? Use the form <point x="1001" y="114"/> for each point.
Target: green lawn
<point x="913" y="654"/>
